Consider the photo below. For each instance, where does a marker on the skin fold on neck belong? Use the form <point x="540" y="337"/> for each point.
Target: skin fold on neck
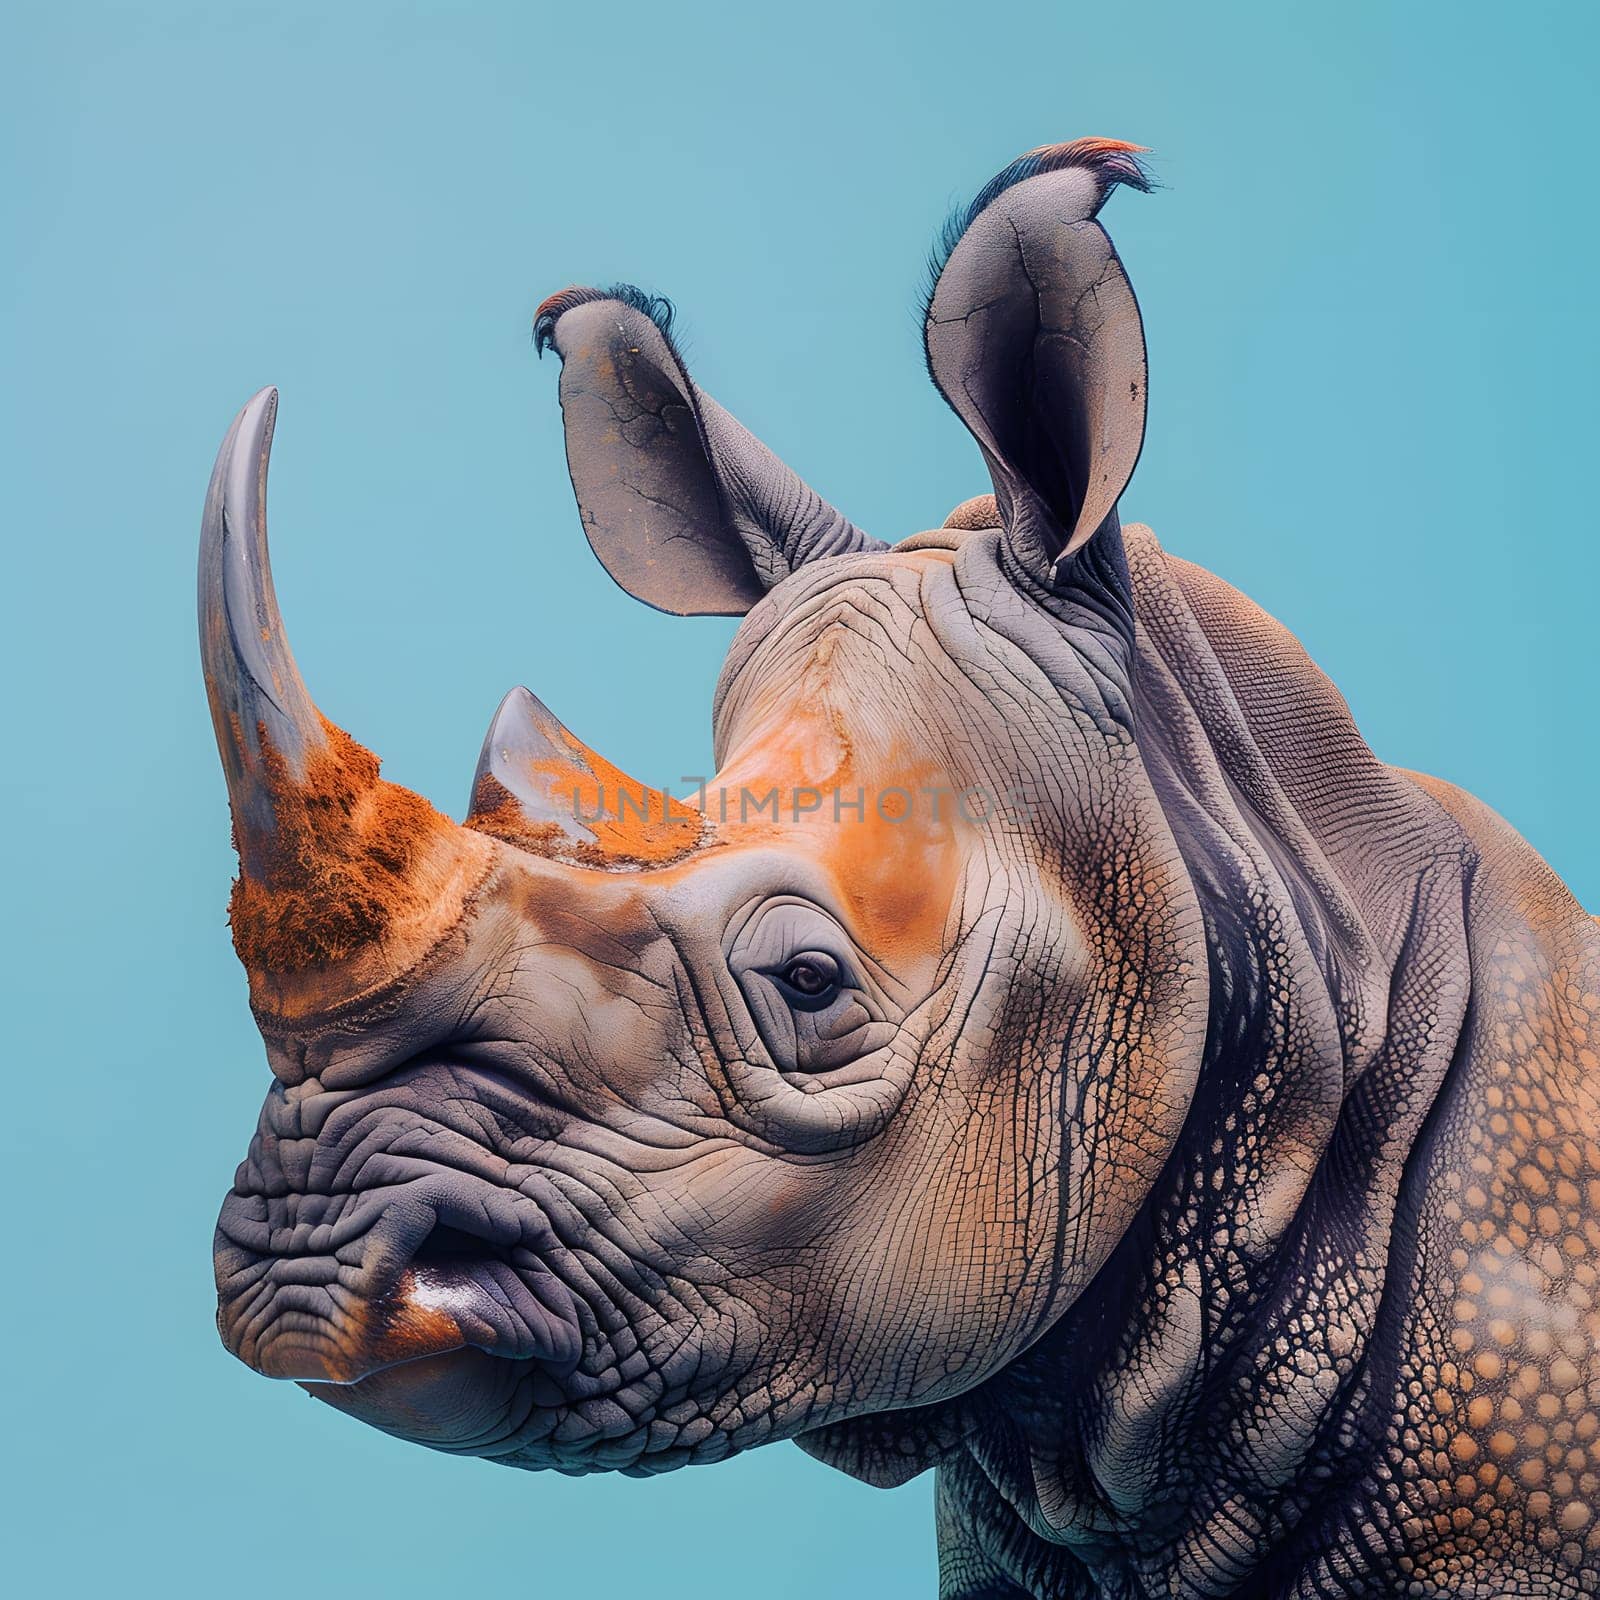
<point x="1195" y="1407"/>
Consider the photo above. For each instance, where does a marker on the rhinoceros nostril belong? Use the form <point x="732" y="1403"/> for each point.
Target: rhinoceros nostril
<point x="452" y="1246"/>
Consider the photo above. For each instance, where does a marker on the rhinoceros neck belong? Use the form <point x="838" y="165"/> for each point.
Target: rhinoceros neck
<point x="1191" y="1412"/>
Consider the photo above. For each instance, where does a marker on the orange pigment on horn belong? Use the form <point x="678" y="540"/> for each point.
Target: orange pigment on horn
<point x="633" y="826"/>
<point x="351" y="859"/>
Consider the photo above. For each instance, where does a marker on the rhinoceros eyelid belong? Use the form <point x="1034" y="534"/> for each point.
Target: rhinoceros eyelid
<point x="819" y="965"/>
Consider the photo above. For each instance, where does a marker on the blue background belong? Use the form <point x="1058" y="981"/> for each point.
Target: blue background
<point x="1368" y="289"/>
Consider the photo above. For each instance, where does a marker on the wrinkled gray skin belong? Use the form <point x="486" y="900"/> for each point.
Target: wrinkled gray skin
<point x="1195" y="1163"/>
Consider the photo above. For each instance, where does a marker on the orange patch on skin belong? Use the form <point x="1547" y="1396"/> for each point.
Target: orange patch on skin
<point x="891" y="846"/>
<point x="898" y="875"/>
<point x="894" y="863"/>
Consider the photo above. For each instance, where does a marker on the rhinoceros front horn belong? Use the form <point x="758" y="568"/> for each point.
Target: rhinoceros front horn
<point x="259" y="705"/>
<point x="345" y="880"/>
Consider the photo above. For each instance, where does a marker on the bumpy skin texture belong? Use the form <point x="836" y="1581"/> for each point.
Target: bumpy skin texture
<point x="1111" y="1087"/>
<point x="1349" y="1348"/>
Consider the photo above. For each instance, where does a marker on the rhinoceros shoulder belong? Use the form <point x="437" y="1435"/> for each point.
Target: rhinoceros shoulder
<point x="1483" y="1380"/>
<point x="1489" y="1474"/>
<point x="1514" y="874"/>
<point x="1535" y="971"/>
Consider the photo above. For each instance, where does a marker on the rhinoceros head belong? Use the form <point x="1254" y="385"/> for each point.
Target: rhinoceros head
<point x="615" y="1130"/>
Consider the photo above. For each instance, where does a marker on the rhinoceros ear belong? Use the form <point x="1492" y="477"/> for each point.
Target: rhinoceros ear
<point x="1033" y="336"/>
<point x="687" y="510"/>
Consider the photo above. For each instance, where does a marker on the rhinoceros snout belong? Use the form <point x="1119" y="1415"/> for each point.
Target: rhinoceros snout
<point x="334" y="1289"/>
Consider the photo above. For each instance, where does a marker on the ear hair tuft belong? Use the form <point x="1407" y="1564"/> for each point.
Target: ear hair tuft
<point x="1111" y="161"/>
<point x="1032" y="334"/>
<point x="657" y="307"/>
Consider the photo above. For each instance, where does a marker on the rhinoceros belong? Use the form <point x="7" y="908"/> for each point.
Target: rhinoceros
<point x="1051" y="1049"/>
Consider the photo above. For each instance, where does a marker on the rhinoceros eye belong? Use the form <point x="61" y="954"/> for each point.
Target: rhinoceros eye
<point x="811" y="979"/>
<point x="805" y="989"/>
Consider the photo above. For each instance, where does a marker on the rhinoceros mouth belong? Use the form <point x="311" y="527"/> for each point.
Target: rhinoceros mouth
<point x="420" y="1270"/>
<point x="398" y="1253"/>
